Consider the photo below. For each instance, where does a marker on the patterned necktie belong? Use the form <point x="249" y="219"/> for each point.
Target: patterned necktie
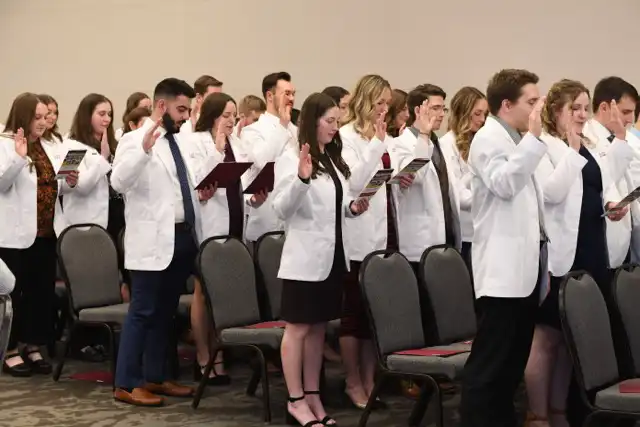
<point x="181" y="170"/>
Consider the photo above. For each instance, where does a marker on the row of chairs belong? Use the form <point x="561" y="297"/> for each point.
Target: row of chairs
<point x="396" y="298"/>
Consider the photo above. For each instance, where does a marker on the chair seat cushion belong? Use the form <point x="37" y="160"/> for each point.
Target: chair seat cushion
<point x="612" y="398"/>
<point x="184" y="306"/>
<point x="109" y="314"/>
<point x="447" y="361"/>
<point x="254" y="335"/>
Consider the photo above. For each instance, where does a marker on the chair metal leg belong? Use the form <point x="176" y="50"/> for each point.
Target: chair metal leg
<point x="420" y="408"/>
<point x="264" y="376"/>
<point x="255" y="376"/>
<point x="372" y="399"/>
<point x="66" y="345"/>
<point x="6" y="319"/>
<point x="203" y="383"/>
<point x="113" y="350"/>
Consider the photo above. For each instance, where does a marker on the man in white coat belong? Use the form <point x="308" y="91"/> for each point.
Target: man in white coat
<point x="509" y="267"/>
<point x="264" y="141"/>
<point x="161" y="238"/>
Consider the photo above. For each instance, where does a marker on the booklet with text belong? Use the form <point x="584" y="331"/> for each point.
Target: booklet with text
<point x="626" y="201"/>
<point x="70" y="163"/>
<point x="379" y="179"/>
<point x="411" y="169"/>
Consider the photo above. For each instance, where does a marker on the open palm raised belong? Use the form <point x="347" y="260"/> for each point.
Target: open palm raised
<point x="305" y="166"/>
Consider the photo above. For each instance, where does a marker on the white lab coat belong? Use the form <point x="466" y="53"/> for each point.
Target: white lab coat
<point x="7" y="279"/>
<point x="459" y="170"/>
<point x="204" y="157"/>
<point x="88" y="201"/>
<point x="506" y="208"/>
<point x="147" y="184"/>
<point x="367" y="232"/>
<point x="18" y="194"/>
<point x="420" y="209"/>
<point x="264" y="141"/>
<point x="309" y="214"/>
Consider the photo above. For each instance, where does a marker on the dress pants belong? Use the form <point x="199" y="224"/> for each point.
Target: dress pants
<point x="142" y="356"/>
<point x="34" y="295"/>
<point x="497" y="361"/>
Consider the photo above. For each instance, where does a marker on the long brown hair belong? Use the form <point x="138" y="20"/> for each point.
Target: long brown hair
<point x="462" y="105"/>
<point x="53" y="132"/>
<point x="21" y="115"/>
<point x="313" y="108"/>
<point x="559" y="95"/>
<point x="81" y="127"/>
<point x="398" y="103"/>
<point x="212" y="108"/>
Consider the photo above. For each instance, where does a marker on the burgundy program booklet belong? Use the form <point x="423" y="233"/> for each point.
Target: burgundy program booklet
<point x="224" y="174"/>
<point x="263" y="181"/>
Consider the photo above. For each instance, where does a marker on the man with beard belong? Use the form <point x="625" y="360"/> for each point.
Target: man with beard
<point x="264" y="141"/>
<point x="161" y="238"/>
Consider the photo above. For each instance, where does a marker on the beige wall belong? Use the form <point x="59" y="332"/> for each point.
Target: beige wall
<point x="69" y="48"/>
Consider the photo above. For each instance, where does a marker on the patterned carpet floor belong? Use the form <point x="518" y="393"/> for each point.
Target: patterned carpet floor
<point x="38" y="401"/>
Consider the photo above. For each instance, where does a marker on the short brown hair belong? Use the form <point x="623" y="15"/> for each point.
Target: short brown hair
<point x="417" y="96"/>
<point x="134" y="116"/>
<point x="204" y="82"/>
<point x="559" y="95"/>
<point x="507" y="84"/>
<point x="252" y="103"/>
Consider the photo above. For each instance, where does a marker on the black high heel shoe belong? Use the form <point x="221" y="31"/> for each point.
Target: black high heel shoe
<point x="215" y="380"/>
<point x="40" y="366"/>
<point x="20" y="370"/>
<point x="327" y="420"/>
<point x="292" y="421"/>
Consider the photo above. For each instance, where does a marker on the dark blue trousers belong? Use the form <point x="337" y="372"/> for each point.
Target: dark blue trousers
<point x="142" y="355"/>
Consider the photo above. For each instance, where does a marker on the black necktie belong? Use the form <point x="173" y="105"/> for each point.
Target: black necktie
<point x="181" y="170"/>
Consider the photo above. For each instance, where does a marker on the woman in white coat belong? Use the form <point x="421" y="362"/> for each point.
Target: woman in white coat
<point x="29" y="206"/>
<point x="91" y="130"/>
<point x="212" y="142"/>
<point x="365" y="140"/>
<point x="577" y="188"/>
<point x="310" y="197"/>
<point x="469" y="109"/>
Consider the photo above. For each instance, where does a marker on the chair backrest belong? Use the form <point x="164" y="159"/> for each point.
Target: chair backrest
<point x="390" y="291"/>
<point x="88" y="260"/>
<point x="229" y="281"/>
<point x="626" y="294"/>
<point x="585" y="323"/>
<point x="267" y="257"/>
<point x="6" y="316"/>
<point x="446" y="282"/>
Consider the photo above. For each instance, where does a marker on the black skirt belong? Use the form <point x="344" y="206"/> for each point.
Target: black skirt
<point x="318" y="302"/>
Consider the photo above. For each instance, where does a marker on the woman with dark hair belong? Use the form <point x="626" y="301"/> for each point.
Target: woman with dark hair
<point x="51" y="134"/>
<point x="398" y="113"/>
<point x="211" y="143"/>
<point x="340" y="96"/>
<point x="135" y="100"/>
<point x="309" y="196"/>
<point x="91" y="130"/>
<point x="29" y="207"/>
<point x="135" y="119"/>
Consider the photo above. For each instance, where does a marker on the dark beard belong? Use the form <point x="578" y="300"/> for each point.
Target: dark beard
<point x="170" y="125"/>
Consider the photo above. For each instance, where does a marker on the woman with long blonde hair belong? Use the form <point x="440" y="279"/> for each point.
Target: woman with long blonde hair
<point x="576" y="184"/>
<point x="469" y="109"/>
<point x="365" y="140"/>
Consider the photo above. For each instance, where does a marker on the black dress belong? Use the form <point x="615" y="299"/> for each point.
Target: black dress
<point x="591" y="247"/>
<point x="317" y="302"/>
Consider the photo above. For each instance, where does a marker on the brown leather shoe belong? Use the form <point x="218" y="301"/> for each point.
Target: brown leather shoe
<point x="169" y="388"/>
<point x="138" y="397"/>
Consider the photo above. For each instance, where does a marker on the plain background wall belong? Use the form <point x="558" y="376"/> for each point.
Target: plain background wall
<point x="69" y="48"/>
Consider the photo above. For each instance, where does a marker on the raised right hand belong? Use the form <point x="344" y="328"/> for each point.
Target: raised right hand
<point x="566" y="127"/>
<point x="21" y="143"/>
<point x="151" y="137"/>
<point x="284" y="111"/>
<point x="220" y="139"/>
<point x="425" y="120"/>
<point x="616" y="125"/>
<point x="380" y="127"/>
<point x="105" y="150"/>
<point x="535" y="119"/>
<point x="305" y="166"/>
